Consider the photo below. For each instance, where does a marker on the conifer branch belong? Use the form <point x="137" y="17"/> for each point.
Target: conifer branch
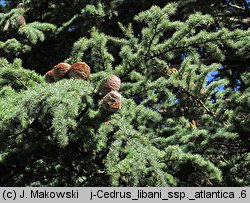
<point x="125" y="74"/>
<point x="102" y="56"/>
<point x="80" y="115"/>
<point x="236" y="6"/>
<point x="152" y="38"/>
<point x="173" y="47"/>
<point x="21" y="82"/>
<point x="17" y="171"/>
<point x="199" y="101"/>
<point x="192" y="45"/>
<point x="67" y="136"/>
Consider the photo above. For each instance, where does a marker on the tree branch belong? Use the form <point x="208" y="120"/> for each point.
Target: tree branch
<point x="199" y="101"/>
<point x="187" y="46"/>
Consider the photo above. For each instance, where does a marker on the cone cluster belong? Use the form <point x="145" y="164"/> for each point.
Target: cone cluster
<point x="109" y="87"/>
<point x="78" y="70"/>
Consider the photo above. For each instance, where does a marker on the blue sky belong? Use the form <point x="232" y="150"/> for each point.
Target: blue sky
<point x="2" y="2"/>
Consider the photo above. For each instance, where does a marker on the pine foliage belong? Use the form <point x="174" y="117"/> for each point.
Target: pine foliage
<point x="20" y="36"/>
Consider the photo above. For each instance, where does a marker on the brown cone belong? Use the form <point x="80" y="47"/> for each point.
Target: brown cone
<point x="49" y="76"/>
<point x="112" y="101"/>
<point x="21" y="21"/>
<point x="79" y="70"/>
<point x="60" y="70"/>
<point x="20" y="5"/>
<point x="112" y="83"/>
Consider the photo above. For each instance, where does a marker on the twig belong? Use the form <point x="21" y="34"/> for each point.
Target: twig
<point x="190" y="45"/>
<point x="82" y="113"/>
<point x="236" y="6"/>
<point x="199" y="101"/>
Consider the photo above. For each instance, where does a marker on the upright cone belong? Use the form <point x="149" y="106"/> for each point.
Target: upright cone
<point x="112" y="83"/>
<point x="50" y="76"/>
<point x="112" y="101"/>
<point x="21" y="21"/>
<point x="20" y="5"/>
<point x="79" y="70"/>
<point x="61" y="70"/>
